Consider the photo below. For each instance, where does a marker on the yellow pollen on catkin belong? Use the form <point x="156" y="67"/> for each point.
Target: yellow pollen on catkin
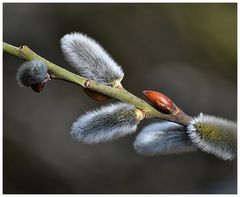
<point x="209" y="131"/>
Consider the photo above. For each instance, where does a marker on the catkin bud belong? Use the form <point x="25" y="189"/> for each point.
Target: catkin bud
<point x="163" y="138"/>
<point x="107" y="123"/>
<point x="32" y="72"/>
<point x="214" y="135"/>
<point x="90" y="59"/>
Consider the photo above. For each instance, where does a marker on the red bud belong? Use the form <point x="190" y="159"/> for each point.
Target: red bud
<point x="160" y="101"/>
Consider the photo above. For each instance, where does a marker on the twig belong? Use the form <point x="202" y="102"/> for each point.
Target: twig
<point x="121" y="94"/>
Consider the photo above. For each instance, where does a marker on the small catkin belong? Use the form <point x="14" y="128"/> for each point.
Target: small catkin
<point x="90" y="59"/>
<point x="214" y="135"/>
<point x="31" y="72"/>
<point x="163" y="138"/>
<point x="107" y="123"/>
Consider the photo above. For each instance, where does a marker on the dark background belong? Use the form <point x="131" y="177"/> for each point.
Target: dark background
<point x="187" y="51"/>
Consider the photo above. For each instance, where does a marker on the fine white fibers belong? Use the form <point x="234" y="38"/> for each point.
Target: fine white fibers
<point x="31" y="72"/>
<point x="107" y="123"/>
<point x="90" y="59"/>
<point x="214" y="135"/>
<point x="163" y="138"/>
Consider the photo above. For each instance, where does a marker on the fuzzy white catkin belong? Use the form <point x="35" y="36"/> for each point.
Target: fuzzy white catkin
<point x="107" y="123"/>
<point x="90" y="59"/>
<point x="163" y="138"/>
<point x="31" y="72"/>
<point x="214" y="135"/>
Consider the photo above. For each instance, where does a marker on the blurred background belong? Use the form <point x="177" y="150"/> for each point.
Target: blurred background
<point x="186" y="51"/>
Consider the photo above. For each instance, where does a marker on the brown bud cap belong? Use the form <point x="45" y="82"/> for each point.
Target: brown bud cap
<point x="37" y="87"/>
<point x="95" y="95"/>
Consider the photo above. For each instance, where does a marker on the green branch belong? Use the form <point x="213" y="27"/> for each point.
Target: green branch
<point x="120" y="94"/>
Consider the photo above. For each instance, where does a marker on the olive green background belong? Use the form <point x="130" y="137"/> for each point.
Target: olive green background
<point x="186" y="51"/>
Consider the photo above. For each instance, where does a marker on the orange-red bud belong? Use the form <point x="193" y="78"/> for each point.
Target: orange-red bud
<point x="160" y="101"/>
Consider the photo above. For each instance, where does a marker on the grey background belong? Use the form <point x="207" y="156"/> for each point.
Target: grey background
<point x="187" y="51"/>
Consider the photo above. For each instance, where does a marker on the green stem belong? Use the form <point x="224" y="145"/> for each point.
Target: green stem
<point x="121" y="94"/>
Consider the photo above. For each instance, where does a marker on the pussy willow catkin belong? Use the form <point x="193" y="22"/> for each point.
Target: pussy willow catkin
<point x="107" y="123"/>
<point x="163" y="138"/>
<point x="90" y="59"/>
<point x="214" y="135"/>
<point x="31" y="72"/>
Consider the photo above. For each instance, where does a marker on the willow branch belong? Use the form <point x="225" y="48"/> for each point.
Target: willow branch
<point x="120" y="94"/>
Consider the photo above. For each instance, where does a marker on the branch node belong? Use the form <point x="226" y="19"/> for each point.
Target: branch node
<point x="21" y="48"/>
<point x="87" y="83"/>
